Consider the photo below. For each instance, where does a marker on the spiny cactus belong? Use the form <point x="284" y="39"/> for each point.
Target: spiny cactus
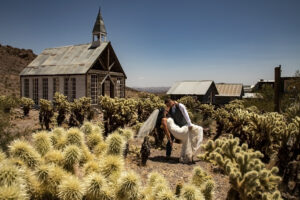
<point x="24" y="151"/>
<point x="72" y="155"/>
<point x="46" y="113"/>
<point x="61" y="104"/>
<point x="111" y="166"/>
<point x="96" y="187"/>
<point x="42" y="142"/>
<point x="100" y="149"/>
<point x="93" y="139"/>
<point x="204" y="182"/>
<point x="247" y="174"/>
<point x="71" y="188"/>
<point x="115" y="143"/>
<point x="10" y="174"/>
<point x="15" y="192"/>
<point x="128" y="186"/>
<point x="74" y="136"/>
<point x="91" y="167"/>
<point x="191" y="192"/>
<point x="87" y="127"/>
<point x="26" y="104"/>
<point x="54" y="156"/>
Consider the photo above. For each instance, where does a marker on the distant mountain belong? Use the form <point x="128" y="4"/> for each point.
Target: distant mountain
<point x="154" y="90"/>
<point x="12" y="62"/>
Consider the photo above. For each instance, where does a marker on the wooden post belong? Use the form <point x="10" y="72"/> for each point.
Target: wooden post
<point x="277" y="88"/>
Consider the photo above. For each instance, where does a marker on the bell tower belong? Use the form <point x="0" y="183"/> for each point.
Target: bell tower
<point x="99" y="30"/>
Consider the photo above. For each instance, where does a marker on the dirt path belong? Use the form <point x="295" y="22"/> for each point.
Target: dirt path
<point x="174" y="171"/>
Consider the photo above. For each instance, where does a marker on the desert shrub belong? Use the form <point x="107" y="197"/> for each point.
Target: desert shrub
<point x="80" y="108"/>
<point x="62" y="106"/>
<point x="117" y="112"/>
<point x="26" y="104"/>
<point x="249" y="178"/>
<point x="8" y="102"/>
<point x="46" y="113"/>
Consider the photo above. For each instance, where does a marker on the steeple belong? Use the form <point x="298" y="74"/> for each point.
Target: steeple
<point x="99" y="30"/>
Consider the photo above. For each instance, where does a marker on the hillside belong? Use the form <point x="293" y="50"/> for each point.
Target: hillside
<point x="12" y="61"/>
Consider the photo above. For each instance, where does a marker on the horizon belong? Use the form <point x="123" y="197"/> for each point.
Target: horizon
<point x="159" y="43"/>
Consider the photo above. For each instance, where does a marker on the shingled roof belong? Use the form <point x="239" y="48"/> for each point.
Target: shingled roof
<point x="230" y="89"/>
<point x="75" y="59"/>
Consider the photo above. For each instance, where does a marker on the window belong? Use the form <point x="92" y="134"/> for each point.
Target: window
<point x="122" y="87"/>
<point x="118" y="87"/>
<point x="66" y="87"/>
<point x="73" y="91"/>
<point x="55" y="85"/>
<point x="26" y="88"/>
<point x="45" y="88"/>
<point x="94" y="88"/>
<point x="35" y="90"/>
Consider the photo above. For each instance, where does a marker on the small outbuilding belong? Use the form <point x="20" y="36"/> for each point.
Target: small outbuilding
<point x="76" y="71"/>
<point x="204" y="91"/>
<point x="228" y="92"/>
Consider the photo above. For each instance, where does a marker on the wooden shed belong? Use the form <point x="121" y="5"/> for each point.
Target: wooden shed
<point x="76" y="71"/>
<point x="204" y="91"/>
<point x="228" y="92"/>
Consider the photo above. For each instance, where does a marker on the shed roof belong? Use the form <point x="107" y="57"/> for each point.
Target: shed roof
<point x="75" y="59"/>
<point x="230" y="89"/>
<point x="190" y="87"/>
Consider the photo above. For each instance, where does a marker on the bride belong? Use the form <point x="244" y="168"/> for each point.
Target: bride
<point x="177" y="122"/>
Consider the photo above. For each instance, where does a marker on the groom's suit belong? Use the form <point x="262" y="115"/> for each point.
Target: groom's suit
<point x="181" y="118"/>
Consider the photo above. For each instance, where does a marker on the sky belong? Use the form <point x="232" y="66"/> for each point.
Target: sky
<point x="159" y="42"/>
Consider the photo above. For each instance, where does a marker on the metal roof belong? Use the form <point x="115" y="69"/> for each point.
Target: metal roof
<point x="229" y="89"/>
<point x="75" y="59"/>
<point x="190" y="88"/>
<point x="99" y="26"/>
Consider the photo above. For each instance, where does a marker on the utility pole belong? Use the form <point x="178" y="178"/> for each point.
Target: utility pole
<point x="277" y="89"/>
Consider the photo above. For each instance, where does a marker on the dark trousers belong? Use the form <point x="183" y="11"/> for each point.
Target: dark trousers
<point x="169" y="147"/>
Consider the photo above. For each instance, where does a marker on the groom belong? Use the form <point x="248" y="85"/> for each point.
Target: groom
<point x="179" y="114"/>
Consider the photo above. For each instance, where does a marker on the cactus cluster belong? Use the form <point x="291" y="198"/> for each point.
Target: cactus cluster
<point x="248" y="175"/>
<point x="26" y="104"/>
<point x="82" y="164"/>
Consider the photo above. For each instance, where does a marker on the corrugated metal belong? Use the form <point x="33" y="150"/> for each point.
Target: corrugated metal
<point x="76" y="59"/>
<point x="228" y="89"/>
<point x="190" y="88"/>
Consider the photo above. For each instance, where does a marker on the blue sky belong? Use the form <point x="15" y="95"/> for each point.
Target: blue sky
<point x="162" y="41"/>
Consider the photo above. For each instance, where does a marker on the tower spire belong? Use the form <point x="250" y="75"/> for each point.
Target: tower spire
<point x="99" y="30"/>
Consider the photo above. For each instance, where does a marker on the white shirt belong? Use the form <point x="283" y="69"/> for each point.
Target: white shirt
<point x="184" y="113"/>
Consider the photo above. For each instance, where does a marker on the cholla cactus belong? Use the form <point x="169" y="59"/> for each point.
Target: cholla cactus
<point x="191" y="192"/>
<point x="15" y="192"/>
<point x="100" y="149"/>
<point x="128" y="187"/>
<point x="93" y="139"/>
<point x="42" y="142"/>
<point x="26" y="104"/>
<point x="24" y="151"/>
<point x="115" y="143"/>
<point x="54" y="156"/>
<point x="61" y="105"/>
<point x="145" y="150"/>
<point x="2" y="155"/>
<point x="111" y="166"/>
<point x="96" y="188"/>
<point x="46" y="113"/>
<point x="87" y="127"/>
<point x="71" y="188"/>
<point x="72" y="155"/>
<point x="91" y="167"/>
<point x="74" y="136"/>
<point x="247" y="174"/>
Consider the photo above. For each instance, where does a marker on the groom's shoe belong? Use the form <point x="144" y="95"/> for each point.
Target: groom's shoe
<point x="168" y="149"/>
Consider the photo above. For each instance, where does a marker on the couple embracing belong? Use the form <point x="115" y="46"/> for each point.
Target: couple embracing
<point x="174" y="120"/>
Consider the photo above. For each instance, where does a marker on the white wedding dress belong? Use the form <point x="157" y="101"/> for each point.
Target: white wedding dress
<point x="190" y="139"/>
